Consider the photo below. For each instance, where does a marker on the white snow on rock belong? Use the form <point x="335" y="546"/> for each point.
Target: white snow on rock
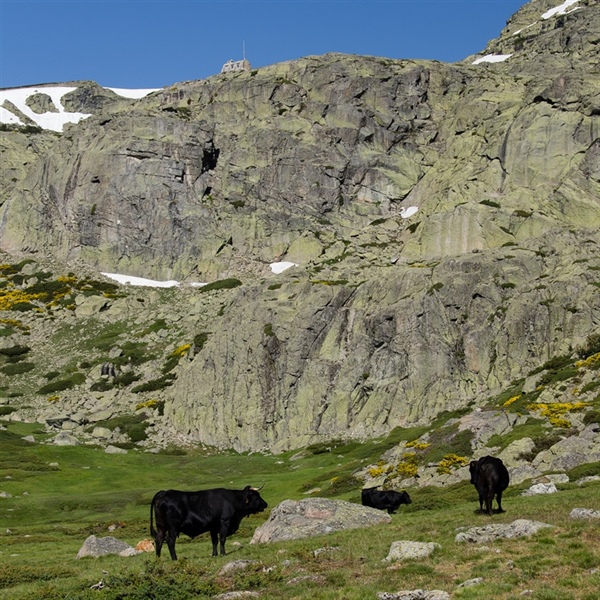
<point x="136" y="94"/>
<point x="492" y="58"/>
<point x="408" y="211"/>
<point x="54" y="121"/>
<point x="560" y="10"/>
<point x="280" y="267"/>
<point x="141" y="281"/>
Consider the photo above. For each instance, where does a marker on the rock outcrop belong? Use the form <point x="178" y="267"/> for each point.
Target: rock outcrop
<point x="444" y="220"/>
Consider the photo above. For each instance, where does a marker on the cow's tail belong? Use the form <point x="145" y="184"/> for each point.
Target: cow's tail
<point x="152" y="530"/>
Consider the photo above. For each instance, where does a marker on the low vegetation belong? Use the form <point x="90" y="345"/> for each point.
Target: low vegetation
<point x="59" y="496"/>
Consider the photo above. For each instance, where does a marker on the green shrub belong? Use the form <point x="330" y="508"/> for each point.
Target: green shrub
<point x="199" y="340"/>
<point x="6" y="410"/>
<point x="15" y="350"/>
<point x="155" y="384"/>
<point x="17" y="368"/>
<point x="126" y="378"/>
<point x="221" y="284"/>
<point x="101" y="386"/>
<point x="593" y="416"/>
<point x="62" y="384"/>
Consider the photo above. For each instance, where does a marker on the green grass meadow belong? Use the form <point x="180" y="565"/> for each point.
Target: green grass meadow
<point x="52" y="509"/>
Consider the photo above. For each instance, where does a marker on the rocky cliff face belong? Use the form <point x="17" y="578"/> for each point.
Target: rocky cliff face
<point x="444" y="220"/>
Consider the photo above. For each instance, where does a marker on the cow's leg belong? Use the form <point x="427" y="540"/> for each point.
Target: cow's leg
<point x="171" y="539"/>
<point x="489" y="497"/>
<point x="159" y="540"/>
<point x="499" y="498"/>
<point x="223" y="536"/>
<point x="214" y="536"/>
<point x="480" y="502"/>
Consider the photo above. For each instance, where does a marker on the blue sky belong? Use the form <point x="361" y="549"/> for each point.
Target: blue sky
<point x="149" y="44"/>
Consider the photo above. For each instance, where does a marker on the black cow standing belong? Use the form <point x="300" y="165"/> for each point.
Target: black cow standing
<point x="219" y="511"/>
<point x="384" y="499"/>
<point x="490" y="478"/>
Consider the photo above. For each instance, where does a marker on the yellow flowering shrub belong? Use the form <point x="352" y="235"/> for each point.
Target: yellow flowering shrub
<point x="408" y="466"/>
<point x="53" y="399"/>
<point x="417" y="445"/>
<point x="451" y="462"/>
<point x="146" y="404"/>
<point x="556" y="411"/>
<point x="591" y="362"/>
<point x="10" y="298"/>
<point x="511" y="400"/>
<point x="181" y="350"/>
<point x="14" y="323"/>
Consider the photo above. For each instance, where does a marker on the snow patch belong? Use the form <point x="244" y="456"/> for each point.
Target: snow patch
<point x="560" y="10"/>
<point x="136" y="94"/>
<point x="280" y="267"/>
<point x="54" y="121"/>
<point x="131" y="280"/>
<point x="492" y="58"/>
<point x="408" y="211"/>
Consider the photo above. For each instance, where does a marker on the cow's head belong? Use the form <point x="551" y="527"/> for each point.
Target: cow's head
<point x="253" y="501"/>
<point x="405" y="498"/>
<point x="473" y="470"/>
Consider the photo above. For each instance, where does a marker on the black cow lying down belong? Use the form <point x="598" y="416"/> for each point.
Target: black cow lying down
<point x="219" y="511"/>
<point x="384" y="499"/>
<point x="490" y="478"/>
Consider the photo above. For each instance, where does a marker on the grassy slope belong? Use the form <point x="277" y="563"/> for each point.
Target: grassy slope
<point x="90" y="490"/>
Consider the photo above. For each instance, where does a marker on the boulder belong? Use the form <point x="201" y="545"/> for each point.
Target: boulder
<point x="65" y="439"/>
<point x="95" y="547"/>
<point x="405" y="549"/>
<point x="584" y="513"/>
<point x="415" y="595"/>
<point x="488" y="533"/>
<point x="293" y="519"/>
<point x="540" y="488"/>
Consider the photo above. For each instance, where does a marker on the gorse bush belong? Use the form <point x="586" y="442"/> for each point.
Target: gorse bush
<point x="62" y="384"/>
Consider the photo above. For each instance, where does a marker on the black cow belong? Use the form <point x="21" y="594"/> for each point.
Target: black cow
<point x="490" y="478"/>
<point x="384" y="500"/>
<point x="219" y="511"/>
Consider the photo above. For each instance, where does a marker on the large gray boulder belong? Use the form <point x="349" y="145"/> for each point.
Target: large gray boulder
<point x="96" y="547"/>
<point x="488" y="533"/>
<point x="293" y="519"/>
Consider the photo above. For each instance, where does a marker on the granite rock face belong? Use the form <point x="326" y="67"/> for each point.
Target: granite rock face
<point x="444" y="220"/>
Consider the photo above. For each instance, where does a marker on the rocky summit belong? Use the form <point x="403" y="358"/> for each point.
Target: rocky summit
<point x="358" y="243"/>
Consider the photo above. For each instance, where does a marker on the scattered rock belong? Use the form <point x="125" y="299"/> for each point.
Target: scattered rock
<point x="236" y="565"/>
<point x="404" y="549"/>
<point x="540" y="488"/>
<point x="415" y="595"/>
<point x="234" y="595"/>
<point x="95" y="547"/>
<point x="5" y="495"/>
<point x="115" y="450"/>
<point x="584" y="513"/>
<point x="65" y="439"/>
<point x="325" y="550"/>
<point x="29" y="438"/>
<point x="488" y="533"/>
<point x="471" y="582"/>
<point x="589" y="479"/>
<point x="293" y="519"/>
